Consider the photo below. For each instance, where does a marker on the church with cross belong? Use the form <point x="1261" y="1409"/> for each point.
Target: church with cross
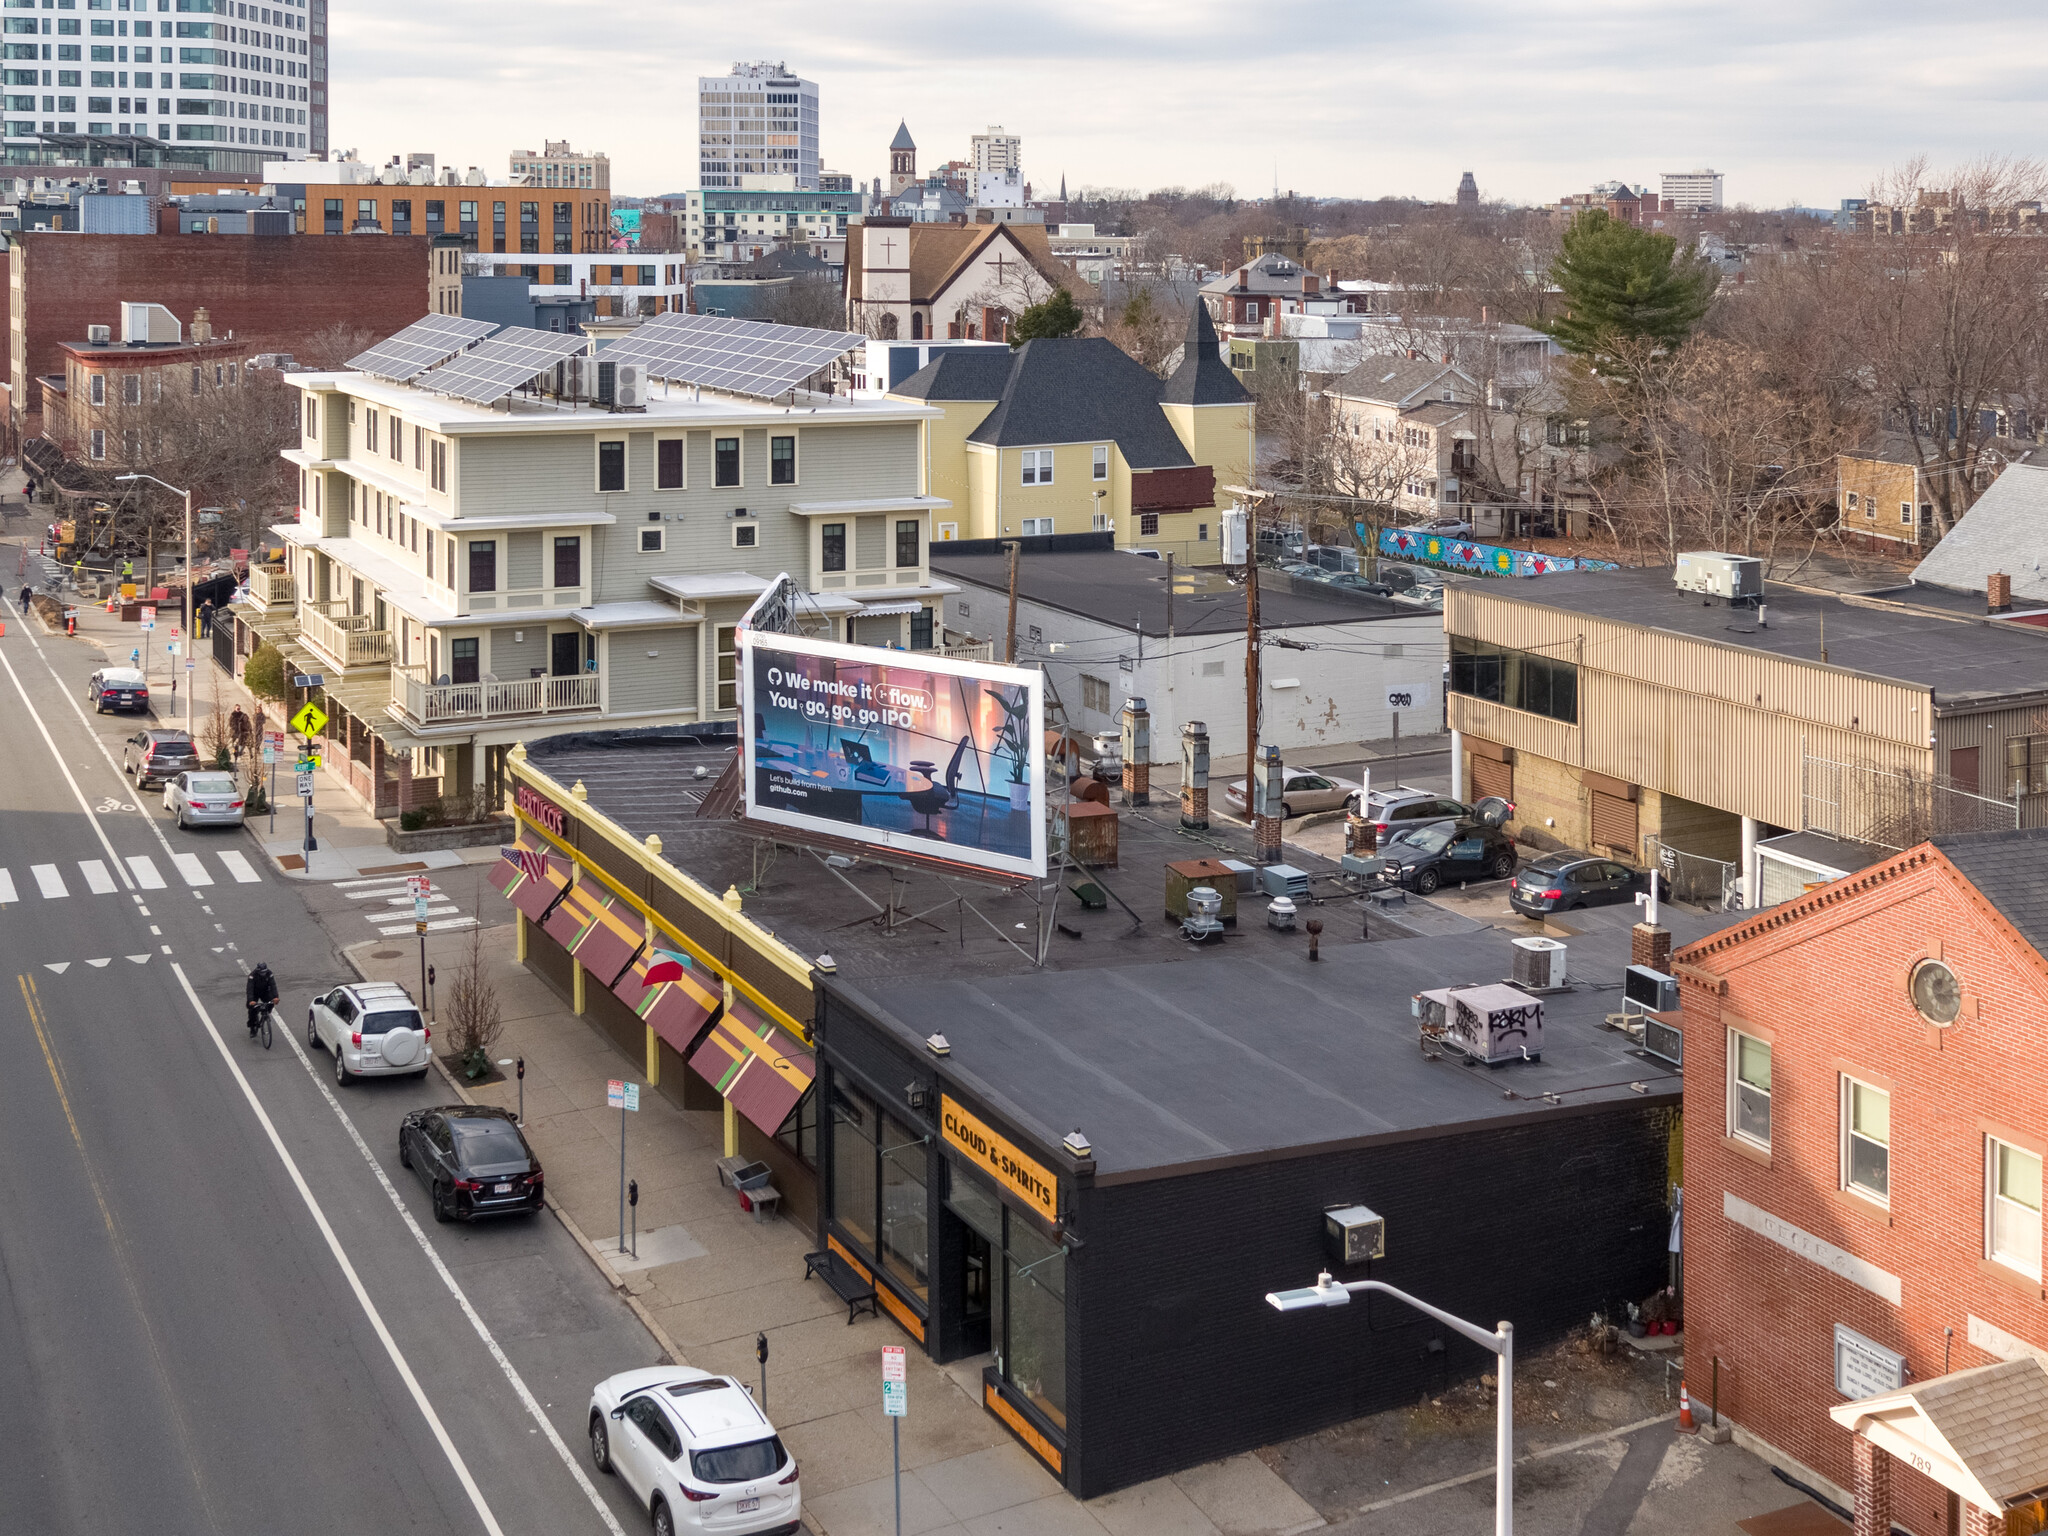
<point x="914" y="282"/>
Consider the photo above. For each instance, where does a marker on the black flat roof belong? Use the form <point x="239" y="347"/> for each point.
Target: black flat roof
<point x="1119" y="588"/>
<point x="1965" y="659"/>
<point x="1247" y="1056"/>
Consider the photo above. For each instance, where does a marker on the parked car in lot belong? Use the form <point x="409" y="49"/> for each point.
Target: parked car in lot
<point x="1559" y="882"/>
<point x="151" y="758"/>
<point x="1354" y="582"/>
<point x="473" y="1160"/>
<point x="697" y="1452"/>
<point x="1402" y="805"/>
<point x="1304" y="792"/>
<point x="118" y="688"/>
<point x="1434" y="854"/>
<point x="1305" y="571"/>
<point x="373" y="1028"/>
<point x="204" y="799"/>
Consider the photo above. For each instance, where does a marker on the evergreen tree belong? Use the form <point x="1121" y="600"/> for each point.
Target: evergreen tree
<point x="1058" y="315"/>
<point x="1629" y="293"/>
<point x="264" y="673"/>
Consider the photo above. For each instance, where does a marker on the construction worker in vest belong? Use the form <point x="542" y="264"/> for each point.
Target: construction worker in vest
<point x="127" y="570"/>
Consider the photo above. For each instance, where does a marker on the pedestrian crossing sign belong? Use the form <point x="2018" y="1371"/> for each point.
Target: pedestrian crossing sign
<point x="311" y="720"/>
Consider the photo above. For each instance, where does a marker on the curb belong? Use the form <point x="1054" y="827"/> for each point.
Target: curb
<point x="672" y="1353"/>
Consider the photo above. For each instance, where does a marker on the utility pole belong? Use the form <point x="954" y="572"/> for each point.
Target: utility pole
<point x="1010" y="646"/>
<point x="1251" y="643"/>
<point x="1169" y="596"/>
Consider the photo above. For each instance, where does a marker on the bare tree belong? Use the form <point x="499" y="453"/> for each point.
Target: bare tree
<point x="1150" y="324"/>
<point x="475" y="1020"/>
<point x="808" y="301"/>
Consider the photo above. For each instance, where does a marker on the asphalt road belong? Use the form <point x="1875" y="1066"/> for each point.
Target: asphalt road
<point x="223" y="1306"/>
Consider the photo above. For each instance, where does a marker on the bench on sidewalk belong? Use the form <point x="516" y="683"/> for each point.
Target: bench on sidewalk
<point x="845" y="1281"/>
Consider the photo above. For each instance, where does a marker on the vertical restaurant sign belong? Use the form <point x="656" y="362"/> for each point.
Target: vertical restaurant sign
<point x="1026" y="1177"/>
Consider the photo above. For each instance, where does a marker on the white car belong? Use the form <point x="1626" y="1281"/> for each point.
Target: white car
<point x="204" y="799"/>
<point x="697" y="1451"/>
<point x="374" y="1030"/>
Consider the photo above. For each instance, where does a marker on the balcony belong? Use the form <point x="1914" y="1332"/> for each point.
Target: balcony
<point x="345" y="639"/>
<point x="426" y="703"/>
<point x="272" y="587"/>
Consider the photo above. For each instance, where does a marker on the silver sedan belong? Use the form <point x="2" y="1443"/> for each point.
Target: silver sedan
<point x="1304" y="792"/>
<point x="204" y="799"/>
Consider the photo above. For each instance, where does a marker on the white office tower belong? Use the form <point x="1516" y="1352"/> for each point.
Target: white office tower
<point x="758" y="121"/>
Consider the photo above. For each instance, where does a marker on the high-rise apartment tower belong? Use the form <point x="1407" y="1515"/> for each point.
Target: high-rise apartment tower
<point x="759" y="121"/>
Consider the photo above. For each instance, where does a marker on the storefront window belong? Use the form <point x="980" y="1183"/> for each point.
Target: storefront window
<point x="853" y="1164"/>
<point x="906" y="1244"/>
<point x="1035" y="1321"/>
<point x="799" y="1132"/>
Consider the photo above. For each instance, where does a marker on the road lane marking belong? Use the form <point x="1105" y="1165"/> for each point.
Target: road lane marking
<point x="7" y="888"/>
<point x="239" y="868"/>
<point x="144" y="959"/>
<point x="57" y="757"/>
<point x="48" y="881"/>
<point x="97" y="880"/>
<point x="190" y="867"/>
<point x="348" y="1269"/>
<point x="385" y="917"/>
<point x="101" y="965"/>
<point x="446" y="922"/>
<point x="59" y="966"/>
<point x="145" y="872"/>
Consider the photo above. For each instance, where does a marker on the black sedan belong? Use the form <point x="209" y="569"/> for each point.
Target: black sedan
<point x="1559" y="882"/>
<point x="474" y="1161"/>
<point x="1443" y="852"/>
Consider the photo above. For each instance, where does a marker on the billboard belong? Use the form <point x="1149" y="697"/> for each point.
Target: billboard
<point x="903" y="749"/>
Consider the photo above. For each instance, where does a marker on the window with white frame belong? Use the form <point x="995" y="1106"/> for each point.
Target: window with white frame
<point x="652" y="540"/>
<point x="2013" y="1221"/>
<point x="1035" y="526"/>
<point x="1094" y="694"/>
<point x="1101" y="470"/>
<point x="1853" y="503"/>
<point x="99" y="389"/>
<point x="746" y="535"/>
<point x="1866" y="1140"/>
<point x="1038" y="466"/>
<point x="131" y="389"/>
<point x="1905" y="514"/>
<point x="1749" y="1088"/>
<point x="99" y="443"/>
<point x="1148" y="524"/>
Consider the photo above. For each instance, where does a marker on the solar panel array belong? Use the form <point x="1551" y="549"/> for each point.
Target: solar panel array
<point x="420" y="346"/>
<point x="509" y="360"/>
<point x="741" y="357"/>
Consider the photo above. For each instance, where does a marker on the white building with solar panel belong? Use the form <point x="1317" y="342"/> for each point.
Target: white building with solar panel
<point x="503" y="537"/>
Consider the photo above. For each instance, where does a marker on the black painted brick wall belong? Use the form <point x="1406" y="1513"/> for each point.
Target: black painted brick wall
<point x="1175" y="1358"/>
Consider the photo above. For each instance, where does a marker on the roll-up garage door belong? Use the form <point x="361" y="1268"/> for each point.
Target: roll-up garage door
<point x="1614" y="823"/>
<point x="1492" y="778"/>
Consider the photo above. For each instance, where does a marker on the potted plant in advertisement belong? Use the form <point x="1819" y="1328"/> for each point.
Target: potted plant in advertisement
<point x="1012" y="741"/>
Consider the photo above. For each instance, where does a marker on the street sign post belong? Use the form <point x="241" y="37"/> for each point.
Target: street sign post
<point x="311" y="720"/>
<point x="421" y="887"/>
<point x="625" y="1098"/>
<point x="895" y="1403"/>
<point x="305" y="786"/>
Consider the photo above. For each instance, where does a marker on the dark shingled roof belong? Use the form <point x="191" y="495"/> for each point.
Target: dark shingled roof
<point x="1203" y="378"/>
<point x="2010" y="870"/>
<point x="1083" y="389"/>
<point x="969" y="373"/>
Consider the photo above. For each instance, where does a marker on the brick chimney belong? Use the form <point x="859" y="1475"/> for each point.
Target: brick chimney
<point x="1411" y="354"/>
<point x="202" y="325"/>
<point x="1445" y="359"/>
<point x="1998" y="593"/>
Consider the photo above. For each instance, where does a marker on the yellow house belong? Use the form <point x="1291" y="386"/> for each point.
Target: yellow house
<point x="1073" y="436"/>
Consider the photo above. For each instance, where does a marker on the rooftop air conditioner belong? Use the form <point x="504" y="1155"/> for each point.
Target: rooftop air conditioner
<point x="1734" y="578"/>
<point x="1539" y="964"/>
<point x="629" y="387"/>
<point x="578" y="377"/>
<point x="99" y="333"/>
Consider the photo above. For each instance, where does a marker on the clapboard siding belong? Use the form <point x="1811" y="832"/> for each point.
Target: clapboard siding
<point x="665" y="680"/>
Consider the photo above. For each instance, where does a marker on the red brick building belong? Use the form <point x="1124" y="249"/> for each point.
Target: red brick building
<point x="275" y="293"/>
<point x="1866" y="1119"/>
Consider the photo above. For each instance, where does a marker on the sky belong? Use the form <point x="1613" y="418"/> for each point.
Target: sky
<point x="1796" y="101"/>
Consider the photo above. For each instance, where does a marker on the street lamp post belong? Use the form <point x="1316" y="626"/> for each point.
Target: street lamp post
<point x="1327" y="1292"/>
<point x="189" y="610"/>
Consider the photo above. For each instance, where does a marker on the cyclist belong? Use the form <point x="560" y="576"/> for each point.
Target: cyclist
<point x="261" y="993"/>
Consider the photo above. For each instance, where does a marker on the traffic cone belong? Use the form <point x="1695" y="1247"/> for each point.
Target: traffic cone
<point x="1685" y="1423"/>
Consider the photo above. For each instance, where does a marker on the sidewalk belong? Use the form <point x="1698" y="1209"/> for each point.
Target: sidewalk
<point x="710" y="1278"/>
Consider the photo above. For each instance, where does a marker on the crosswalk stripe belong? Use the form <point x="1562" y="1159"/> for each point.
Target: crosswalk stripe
<point x="96" y="876"/>
<point x="190" y="867"/>
<point x="385" y="917"/>
<point x="239" y="868"/>
<point x="446" y="922"/>
<point x="145" y="872"/>
<point x="7" y="888"/>
<point x="398" y="890"/>
<point x="48" y="880"/>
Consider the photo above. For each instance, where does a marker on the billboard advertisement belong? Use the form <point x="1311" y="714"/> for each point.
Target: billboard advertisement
<point x="903" y="749"/>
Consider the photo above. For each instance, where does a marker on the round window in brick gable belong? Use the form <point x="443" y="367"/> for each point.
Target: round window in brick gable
<point x="1936" y="992"/>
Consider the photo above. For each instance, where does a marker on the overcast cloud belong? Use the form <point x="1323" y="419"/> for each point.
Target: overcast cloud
<point x="1799" y="100"/>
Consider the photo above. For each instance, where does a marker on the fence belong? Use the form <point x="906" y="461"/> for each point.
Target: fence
<point x="1891" y="807"/>
<point x="1695" y="879"/>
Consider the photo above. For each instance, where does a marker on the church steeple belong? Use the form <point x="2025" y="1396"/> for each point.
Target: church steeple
<point x="902" y="160"/>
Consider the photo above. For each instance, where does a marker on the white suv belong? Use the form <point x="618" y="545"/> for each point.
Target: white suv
<point x="374" y="1030"/>
<point x="697" y="1452"/>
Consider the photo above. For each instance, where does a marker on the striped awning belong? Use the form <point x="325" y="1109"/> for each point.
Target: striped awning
<point x="530" y="895"/>
<point x="675" y="1010"/>
<point x="759" y="1066"/>
<point x="598" y="928"/>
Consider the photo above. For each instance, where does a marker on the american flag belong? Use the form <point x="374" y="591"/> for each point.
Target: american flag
<point x="532" y="862"/>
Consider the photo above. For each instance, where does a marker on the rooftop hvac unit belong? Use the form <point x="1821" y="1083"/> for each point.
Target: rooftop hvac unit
<point x="1736" y="578"/>
<point x="1284" y="880"/>
<point x="149" y="323"/>
<point x="1205" y="915"/>
<point x="576" y="377"/>
<point x="1664" y="1041"/>
<point x="1495" y="1024"/>
<point x="629" y="387"/>
<point x="1539" y="964"/>
<point x="99" y="333"/>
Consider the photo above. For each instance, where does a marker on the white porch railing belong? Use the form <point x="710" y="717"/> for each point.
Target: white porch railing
<point x="346" y="639"/>
<point x="272" y="586"/>
<point x="444" y="703"/>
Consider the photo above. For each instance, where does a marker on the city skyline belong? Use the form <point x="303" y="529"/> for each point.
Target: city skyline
<point x="1805" y="107"/>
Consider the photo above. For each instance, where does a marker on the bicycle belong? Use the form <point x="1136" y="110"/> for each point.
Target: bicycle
<point x="262" y="1026"/>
